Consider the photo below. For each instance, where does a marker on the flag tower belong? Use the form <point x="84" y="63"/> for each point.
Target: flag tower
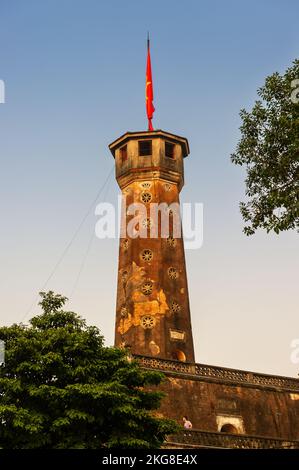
<point x="228" y="408"/>
<point x="152" y="308"/>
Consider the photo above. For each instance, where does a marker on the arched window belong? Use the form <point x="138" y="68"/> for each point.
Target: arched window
<point x="179" y="355"/>
<point x="229" y="428"/>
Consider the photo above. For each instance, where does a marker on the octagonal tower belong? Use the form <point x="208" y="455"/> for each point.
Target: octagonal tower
<point x="152" y="309"/>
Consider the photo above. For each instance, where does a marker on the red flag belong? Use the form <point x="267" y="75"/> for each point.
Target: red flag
<point x="149" y="92"/>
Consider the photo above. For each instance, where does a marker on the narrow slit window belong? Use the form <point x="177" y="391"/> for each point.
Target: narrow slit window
<point x="169" y="150"/>
<point x="124" y="153"/>
<point x="145" y="148"/>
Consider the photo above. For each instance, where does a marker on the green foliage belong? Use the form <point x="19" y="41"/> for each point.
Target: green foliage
<point x="61" y="388"/>
<point x="51" y="302"/>
<point x="269" y="150"/>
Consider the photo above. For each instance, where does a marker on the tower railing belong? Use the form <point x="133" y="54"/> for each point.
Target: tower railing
<point x="197" y="438"/>
<point x="219" y="373"/>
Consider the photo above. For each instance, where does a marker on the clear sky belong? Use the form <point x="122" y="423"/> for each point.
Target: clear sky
<point x="74" y="72"/>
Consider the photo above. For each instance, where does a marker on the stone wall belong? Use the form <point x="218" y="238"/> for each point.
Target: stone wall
<point x="244" y="402"/>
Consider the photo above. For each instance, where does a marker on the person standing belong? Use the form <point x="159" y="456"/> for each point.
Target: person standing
<point x="187" y="423"/>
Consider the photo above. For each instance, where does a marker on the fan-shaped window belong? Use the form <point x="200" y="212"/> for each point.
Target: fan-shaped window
<point x="125" y="244"/>
<point x="146" y="197"/>
<point x="124" y="312"/>
<point x="175" y="307"/>
<point x="147" y="288"/>
<point x="147" y="223"/>
<point x="172" y="273"/>
<point x="146" y="185"/>
<point x="147" y="322"/>
<point x="171" y="242"/>
<point x="147" y="255"/>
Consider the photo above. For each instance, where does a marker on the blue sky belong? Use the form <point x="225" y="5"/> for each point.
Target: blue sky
<point x="74" y="73"/>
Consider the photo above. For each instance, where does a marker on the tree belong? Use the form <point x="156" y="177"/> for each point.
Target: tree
<point x="269" y="150"/>
<point x="61" y="388"/>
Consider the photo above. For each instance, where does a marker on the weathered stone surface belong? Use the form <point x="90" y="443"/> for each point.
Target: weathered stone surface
<point x="152" y="310"/>
<point x="254" y="404"/>
<point x="265" y="413"/>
